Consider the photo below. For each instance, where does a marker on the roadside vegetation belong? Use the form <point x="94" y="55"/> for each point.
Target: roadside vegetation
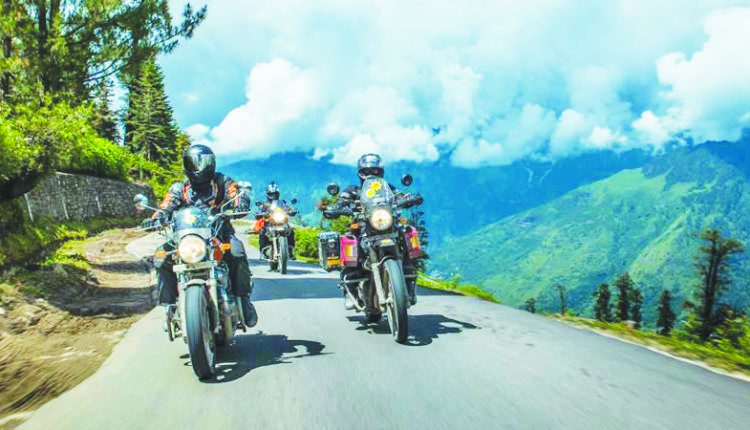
<point x="456" y="286"/>
<point x="705" y="328"/>
<point x="60" y="319"/>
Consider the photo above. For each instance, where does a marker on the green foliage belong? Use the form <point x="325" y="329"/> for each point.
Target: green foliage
<point x="602" y="308"/>
<point x="59" y="49"/>
<point x="714" y="262"/>
<point x="636" y="300"/>
<point x="306" y="244"/>
<point x="563" y="302"/>
<point x="642" y="221"/>
<point x="454" y="284"/>
<point x="29" y="243"/>
<point x="37" y="141"/>
<point x="624" y="286"/>
<point x="150" y="129"/>
<point x="667" y="317"/>
<point x="104" y="119"/>
<point x="530" y="305"/>
<point x="721" y="354"/>
<point x="341" y="224"/>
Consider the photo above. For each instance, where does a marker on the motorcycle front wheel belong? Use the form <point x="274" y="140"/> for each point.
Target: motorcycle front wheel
<point x="395" y="284"/>
<point x="201" y="343"/>
<point x="283" y="254"/>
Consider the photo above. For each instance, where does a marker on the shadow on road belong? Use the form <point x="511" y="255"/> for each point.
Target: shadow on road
<point x="422" y="328"/>
<point x="249" y="352"/>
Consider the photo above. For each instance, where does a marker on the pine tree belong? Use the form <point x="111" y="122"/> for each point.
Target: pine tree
<point x="563" y="304"/>
<point x="104" y="118"/>
<point x="530" y="305"/>
<point x="666" y="319"/>
<point x="150" y="127"/>
<point x="714" y="262"/>
<point x="636" y="301"/>
<point x="602" y="308"/>
<point x="624" y="285"/>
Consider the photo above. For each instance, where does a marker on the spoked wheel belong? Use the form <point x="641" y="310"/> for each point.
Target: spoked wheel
<point x="201" y="343"/>
<point x="395" y="284"/>
<point x="283" y="254"/>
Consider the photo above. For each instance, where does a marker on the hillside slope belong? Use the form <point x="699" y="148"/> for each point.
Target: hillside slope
<point x="491" y="193"/>
<point x="641" y="220"/>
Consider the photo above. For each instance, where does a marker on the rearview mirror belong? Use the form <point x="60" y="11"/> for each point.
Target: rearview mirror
<point x="333" y="189"/>
<point x="294" y="201"/>
<point x="258" y="204"/>
<point x="407" y="180"/>
<point x="140" y="202"/>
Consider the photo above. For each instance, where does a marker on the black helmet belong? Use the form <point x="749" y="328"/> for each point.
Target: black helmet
<point x="199" y="163"/>
<point x="370" y="165"/>
<point x="272" y="191"/>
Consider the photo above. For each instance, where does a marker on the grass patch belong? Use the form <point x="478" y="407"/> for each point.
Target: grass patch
<point x="454" y="285"/>
<point x="725" y="358"/>
<point x="34" y="242"/>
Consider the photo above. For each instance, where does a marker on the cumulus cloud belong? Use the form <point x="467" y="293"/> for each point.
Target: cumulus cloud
<point x="485" y="82"/>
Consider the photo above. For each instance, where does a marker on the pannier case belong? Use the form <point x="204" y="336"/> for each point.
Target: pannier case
<point x="348" y="251"/>
<point x="412" y="243"/>
<point x="329" y="250"/>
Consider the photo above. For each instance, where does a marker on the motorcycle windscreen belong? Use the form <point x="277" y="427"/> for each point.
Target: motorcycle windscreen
<point x="191" y="218"/>
<point x="375" y="193"/>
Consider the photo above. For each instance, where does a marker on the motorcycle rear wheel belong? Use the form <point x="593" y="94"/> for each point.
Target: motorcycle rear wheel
<point x="201" y="342"/>
<point x="395" y="284"/>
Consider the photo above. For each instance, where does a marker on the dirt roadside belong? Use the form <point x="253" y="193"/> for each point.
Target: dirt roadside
<point x="59" y="323"/>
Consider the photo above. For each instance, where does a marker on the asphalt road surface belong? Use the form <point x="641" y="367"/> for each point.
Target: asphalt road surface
<point x="468" y="364"/>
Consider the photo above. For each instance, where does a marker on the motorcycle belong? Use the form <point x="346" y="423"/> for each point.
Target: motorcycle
<point x="278" y="231"/>
<point x="383" y="237"/>
<point x="207" y="315"/>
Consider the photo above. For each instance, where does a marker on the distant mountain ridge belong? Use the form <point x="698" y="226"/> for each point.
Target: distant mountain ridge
<point x="457" y="200"/>
<point x="643" y="220"/>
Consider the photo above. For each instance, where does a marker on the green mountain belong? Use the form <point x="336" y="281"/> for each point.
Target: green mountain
<point x="642" y="220"/>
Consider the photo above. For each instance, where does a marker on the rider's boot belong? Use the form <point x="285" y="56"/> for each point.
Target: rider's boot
<point x="291" y="253"/>
<point x="248" y="310"/>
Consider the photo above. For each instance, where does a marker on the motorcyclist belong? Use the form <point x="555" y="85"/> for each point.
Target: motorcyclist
<point x="206" y="186"/>
<point x="368" y="166"/>
<point x="273" y="194"/>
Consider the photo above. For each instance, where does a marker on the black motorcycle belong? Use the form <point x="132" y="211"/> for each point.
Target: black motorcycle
<point x="383" y="238"/>
<point x="278" y="230"/>
<point x="207" y="315"/>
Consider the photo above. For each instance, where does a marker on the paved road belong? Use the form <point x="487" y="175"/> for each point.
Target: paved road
<point x="469" y="364"/>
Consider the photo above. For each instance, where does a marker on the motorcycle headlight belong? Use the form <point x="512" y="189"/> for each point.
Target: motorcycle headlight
<point x="381" y="219"/>
<point x="278" y="217"/>
<point x="192" y="249"/>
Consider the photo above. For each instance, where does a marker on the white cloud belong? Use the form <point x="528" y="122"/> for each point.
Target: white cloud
<point x="709" y="93"/>
<point x="485" y="82"/>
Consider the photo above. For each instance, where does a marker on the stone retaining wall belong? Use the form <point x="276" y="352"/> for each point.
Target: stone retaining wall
<point x="77" y="197"/>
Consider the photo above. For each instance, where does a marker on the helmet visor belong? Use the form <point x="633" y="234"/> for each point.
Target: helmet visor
<point x="197" y="163"/>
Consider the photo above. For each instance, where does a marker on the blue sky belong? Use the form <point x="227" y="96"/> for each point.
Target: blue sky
<point x="481" y="82"/>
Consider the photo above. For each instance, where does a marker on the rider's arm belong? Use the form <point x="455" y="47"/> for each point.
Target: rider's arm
<point x="172" y="201"/>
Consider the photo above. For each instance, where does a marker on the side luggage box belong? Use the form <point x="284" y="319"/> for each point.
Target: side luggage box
<point x="329" y="250"/>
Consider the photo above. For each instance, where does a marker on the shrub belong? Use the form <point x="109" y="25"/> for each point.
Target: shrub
<point x="307" y="242"/>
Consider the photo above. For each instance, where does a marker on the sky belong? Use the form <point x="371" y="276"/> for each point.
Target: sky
<point x="481" y="83"/>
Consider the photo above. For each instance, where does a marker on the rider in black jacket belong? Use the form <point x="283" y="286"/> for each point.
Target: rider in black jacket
<point x="368" y="166"/>
<point x="205" y="185"/>
<point x="273" y="194"/>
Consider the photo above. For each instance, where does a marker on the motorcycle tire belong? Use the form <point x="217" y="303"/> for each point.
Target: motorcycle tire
<point x="283" y="255"/>
<point x="395" y="286"/>
<point x="199" y="335"/>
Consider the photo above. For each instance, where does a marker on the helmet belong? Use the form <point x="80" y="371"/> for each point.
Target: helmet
<point x="199" y="163"/>
<point x="370" y="165"/>
<point x="272" y="191"/>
